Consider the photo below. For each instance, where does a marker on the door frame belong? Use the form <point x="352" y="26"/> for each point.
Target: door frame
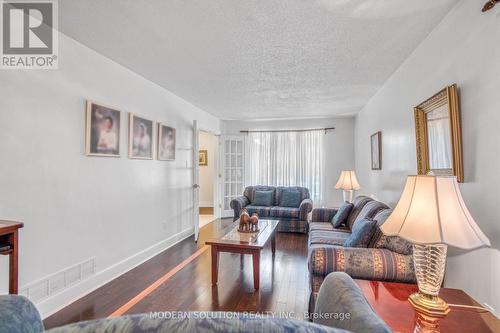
<point x="217" y="172"/>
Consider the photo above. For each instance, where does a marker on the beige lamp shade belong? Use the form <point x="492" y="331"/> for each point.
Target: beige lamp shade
<point x="431" y="211"/>
<point x="348" y="181"/>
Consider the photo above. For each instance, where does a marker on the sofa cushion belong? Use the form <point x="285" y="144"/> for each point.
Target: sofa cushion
<point x="304" y="193"/>
<point x="320" y="226"/>
<point x="342" y="214"/>
<point x="369" y="210"/>
<point x="290" y="198"/>
<point x="393" y="243"/>
<point x="362" y="233"/>
<point x="250" y="191"/>
<point x="263" y="198"/>
<point x="396" y="244"/>
<point x="262" y="211"/>
<point x="327" y="237"/>
<point x="380" y="217"/>
<point x="358" y="204"/>
<point x="286" y="212"/>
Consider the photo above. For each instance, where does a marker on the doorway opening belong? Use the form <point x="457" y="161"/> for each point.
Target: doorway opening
<point x="208" y="157"/>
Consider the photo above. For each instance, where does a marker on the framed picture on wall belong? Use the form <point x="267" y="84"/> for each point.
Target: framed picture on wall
<point x="166" y="142"/>
<point x="203" y="158"/>
<point x="102" y="130"/>
<point x="140" y="137"/>
<point x="376" y="151"/>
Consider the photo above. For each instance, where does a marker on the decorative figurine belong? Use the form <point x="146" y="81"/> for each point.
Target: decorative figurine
<point x="247" y="223"/>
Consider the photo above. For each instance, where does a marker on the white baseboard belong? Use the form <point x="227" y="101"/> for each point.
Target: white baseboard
<point x="209" y="204"/>
<point x="55" y="303"/>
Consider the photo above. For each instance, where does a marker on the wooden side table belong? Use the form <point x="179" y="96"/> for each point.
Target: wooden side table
<point x="9" y="246"/>
<point x="390" y="301"/>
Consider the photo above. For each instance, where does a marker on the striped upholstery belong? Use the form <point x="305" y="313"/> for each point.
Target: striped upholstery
<point x="306" y="206"/>
<point x="327" y="226"/>
<point x="323" y="214"/>
<point x="292" y="219"/>
<point x="292" y="225"/>
<point x="327" y="237"/>
<point x="327" y="253"/>
<point x="320" y="226"/>
<point x="285" y="212"/>
<point x="304" y="193"/>
<point x="362" y="263"/>
<point x="369" y="210"/>
<point x="359" y="203"/>
<point x="237" y="204"/>
<point x="250" y="192"/>
<point x="263" y="211"/>
<point x="380" y="217"/>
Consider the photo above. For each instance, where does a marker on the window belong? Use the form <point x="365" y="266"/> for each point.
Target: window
<point x="286" y="159"/>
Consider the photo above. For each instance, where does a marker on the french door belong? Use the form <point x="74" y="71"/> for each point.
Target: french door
<point x="233" y="171"/>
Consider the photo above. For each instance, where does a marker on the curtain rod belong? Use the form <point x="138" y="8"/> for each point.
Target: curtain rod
<point x="285" y="131"/>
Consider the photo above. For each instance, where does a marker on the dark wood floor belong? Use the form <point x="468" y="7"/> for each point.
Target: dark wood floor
<point x="283" y="286"/>
<point x="206" y="211"/>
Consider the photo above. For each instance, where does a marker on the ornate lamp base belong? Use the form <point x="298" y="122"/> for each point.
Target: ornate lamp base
<point x="348" y="195"/>
<point x="429" y="261"/>
<point x="430" y="305"/>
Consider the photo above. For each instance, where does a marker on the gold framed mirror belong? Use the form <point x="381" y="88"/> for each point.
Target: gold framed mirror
<point x="439" y="135"/>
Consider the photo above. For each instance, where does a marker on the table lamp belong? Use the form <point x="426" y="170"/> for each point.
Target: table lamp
<point x="432" y="215"/>
<point x="348" y="183"/>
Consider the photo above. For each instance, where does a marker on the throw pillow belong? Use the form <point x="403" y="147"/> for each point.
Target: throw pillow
<point x="342" y="214"/>
<point x="263" y="198"/>
<point x="362" y="233"/>
<point x="290" y="198"/>
<point x="398" y="245"/>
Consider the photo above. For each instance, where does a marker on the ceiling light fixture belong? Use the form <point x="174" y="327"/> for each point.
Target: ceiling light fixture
<point x="490" y="4"/>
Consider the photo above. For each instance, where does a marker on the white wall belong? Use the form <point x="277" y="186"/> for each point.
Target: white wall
<point x="75" y="207"/>
<point x="339" y="146"/>
<point x="463" y="49"/>
<point x="208" y="142"/>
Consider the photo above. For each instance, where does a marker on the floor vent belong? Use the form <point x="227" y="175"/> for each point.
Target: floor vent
<point x="55" y="283"/>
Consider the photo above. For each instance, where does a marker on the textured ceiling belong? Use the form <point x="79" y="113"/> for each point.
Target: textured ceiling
<point x="248" y="59"/>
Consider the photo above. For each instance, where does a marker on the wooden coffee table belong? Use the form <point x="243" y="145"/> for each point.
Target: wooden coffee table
<point x="244" y="243"/>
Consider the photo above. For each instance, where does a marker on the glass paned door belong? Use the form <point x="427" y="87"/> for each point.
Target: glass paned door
<point x="233" y="152"/>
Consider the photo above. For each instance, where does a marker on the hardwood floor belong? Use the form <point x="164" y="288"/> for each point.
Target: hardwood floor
<point x="206" y="211"/>
<point x="283" y="282"/>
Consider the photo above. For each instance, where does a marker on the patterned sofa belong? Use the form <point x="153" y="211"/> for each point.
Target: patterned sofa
<point x="292" y="219"/>
<point x="385" y="258"/>
<point x="340" y="295"/>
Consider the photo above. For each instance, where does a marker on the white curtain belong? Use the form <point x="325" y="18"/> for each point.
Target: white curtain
<point x="439" y="138"/>
<point x="286" y="159"/>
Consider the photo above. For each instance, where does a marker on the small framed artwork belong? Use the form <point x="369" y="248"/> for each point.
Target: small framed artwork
<point x="102" y="130"/>
<point x="203" y="158"/>
<point x="166" y="142"/>
<point x="376" y="151"/>
<point x="140" y="137"/>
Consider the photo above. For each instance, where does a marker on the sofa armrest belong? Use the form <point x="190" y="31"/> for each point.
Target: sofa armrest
<point x="323" y="214"/>
<point x="362" y="263"/>
<point x="19" y="315"/>
<point x="340" y="295"/>
<point x="306" y="206"/>
<point x="237" y="204"/>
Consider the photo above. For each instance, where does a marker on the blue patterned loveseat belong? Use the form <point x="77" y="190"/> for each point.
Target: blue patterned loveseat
<point x="292" y="219"/>
<point x="385" y="258"/>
